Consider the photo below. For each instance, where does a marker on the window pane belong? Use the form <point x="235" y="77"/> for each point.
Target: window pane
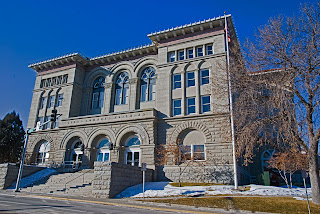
<point x="60" y="98"/>
<point x="125" y="95"/>
<point x="95" y="97"/>
<point x="181" y="55"/>
<point x="118" y="96"/>
<point x="101" y="99"/>
<point x="198" y="148"/>
<point x="171" y="57"/>
<point x="136" y="158"/>
<point x="129" y="158"/>
<point x="133" y="141"/>
<point x="199" y="51"/>
<point x="209" y="49"/>
<point x="99" y="157"/>
<point x="144" y="93"/>
<point x="190" y="79"/>
<point x="176" y="107"/>
<point x="191" y="108"/>
<point x="176" y="81"/>
<point x="190" y="53"/>
<point x="205" y="102"/>
<point x="204" y="77"/>
<point x="106" y="157"/>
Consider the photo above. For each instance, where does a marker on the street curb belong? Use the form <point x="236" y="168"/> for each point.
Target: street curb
<point x="119" y="204"/>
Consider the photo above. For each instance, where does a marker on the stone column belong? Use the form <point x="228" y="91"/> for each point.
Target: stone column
<point x="198" y="104"/>
<point x="107" y="98"/>
<point x="183" y="95"/>
<point x="133" y="95"/>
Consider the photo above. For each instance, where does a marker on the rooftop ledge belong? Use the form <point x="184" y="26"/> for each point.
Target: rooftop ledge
<point x="109" y="118"/>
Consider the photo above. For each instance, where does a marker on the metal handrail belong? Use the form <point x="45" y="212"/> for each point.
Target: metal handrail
<point x="65" y="186"/>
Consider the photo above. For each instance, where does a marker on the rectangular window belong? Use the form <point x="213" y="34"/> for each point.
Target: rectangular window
<point x="176" y="107"/>
<point x="205" y="104"/>
<point x="118" y="96"/>
<point x="199" y="51"/>
<point x="209" y="49"/>
<point x="152" y="91"/>
<point x="56" y="123"/>
<point x="60" y="99"/>
<point x="95" y="100"/>
<point x="185" y="153"/>
<point x="181" y="55"/>
<point x="101" y="99"/>
<point x="190" y="53"/>
<point x="191" y="79"/>
<point x="204" y="77"/>
<point x="43" y="102"/>
<point x="47" y="125"/>
<point x="100" y="157"/>
<point x="172" y="56"/>
<point x="51" y="102"/>
<point x="106" y="157"/>
<point x="191" y="105"/>
<point x="176" y="81"/>
<point x="125" y="95"/>
<point x="198" y="152"/>
<point x="144" y="93"/>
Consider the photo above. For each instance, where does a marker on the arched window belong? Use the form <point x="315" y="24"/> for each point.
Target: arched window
<point x="98" y="93"/>
<point x="133" y="150"/>
<point x="148" y="84"/>
<point x="43" y="153"/>
<point x="266" y="156"/>
<point x="122" y="89"/>
<point x="103" y="152"/>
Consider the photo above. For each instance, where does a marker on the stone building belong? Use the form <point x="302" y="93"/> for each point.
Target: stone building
<point x="118" y="107"/>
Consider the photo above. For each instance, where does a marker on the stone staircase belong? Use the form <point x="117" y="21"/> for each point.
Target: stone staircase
<point x="71" y="183"/>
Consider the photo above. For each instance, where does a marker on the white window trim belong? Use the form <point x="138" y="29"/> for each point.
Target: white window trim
<point x="187" y="80"/>
<point x="173" y="86"/>
<point x="201" y="76"/>
<point x="195" y="105"/>
<point x="173" y="107"/>
<point x="202" y="104"/>
<point x="192" y="151"/>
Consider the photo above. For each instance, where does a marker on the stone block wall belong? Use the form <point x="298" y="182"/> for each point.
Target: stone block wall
<point x="9" y="173"/>
<point x="112" y="178"/>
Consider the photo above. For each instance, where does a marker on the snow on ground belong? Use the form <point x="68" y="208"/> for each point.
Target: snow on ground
<point x="34" y="178"/>
<point x="164" y="189"/>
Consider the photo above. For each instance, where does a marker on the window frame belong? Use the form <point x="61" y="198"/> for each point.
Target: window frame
<point x="191" y="106"/>
<point x="198" y="52"/>
<point x="207" y="50"/>
<point x="59" y="100"/>
<point x="204" y="77"/>
<point x="43" y="103"/>
<point x="122" y="88"/>
<point x="51" y="101"/>
<point x="188" y="53"/>
<point x="202" y="104"/>
<point x="176" y="107"/>
<point x="192" y="152"/>
<point x="174" y="82"/>
<point x="172" y="56"/>
<point x="149" y="84"/>
<point x="181" y="55"/>
<point x="192" y="79"/>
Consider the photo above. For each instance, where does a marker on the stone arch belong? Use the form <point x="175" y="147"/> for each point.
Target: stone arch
<point x="94" y="74"/>
<point x="204" y="64"/>
<point x="132" y="129"/>
<point x="122" y="66"/>
<point x="190" y="67"/>
<point x="143" y="63"/>
<point x="40" y="139"/>
<point x="174" y="70"/>
<point x="190" y="125"/>
<point x="103" y="131"/>
<point x="72" y="134"/>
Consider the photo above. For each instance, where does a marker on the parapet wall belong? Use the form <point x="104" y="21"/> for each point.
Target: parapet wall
<point x="112" y="178"/>
<point x="9" y="173"/>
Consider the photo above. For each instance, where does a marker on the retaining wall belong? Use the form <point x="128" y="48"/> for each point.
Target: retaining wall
<point x="112" y="178"/>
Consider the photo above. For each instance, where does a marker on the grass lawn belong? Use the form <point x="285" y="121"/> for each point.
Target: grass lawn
<point x="261" y="204"/>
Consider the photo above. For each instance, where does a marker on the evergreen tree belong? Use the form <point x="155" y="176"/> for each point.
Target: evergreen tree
<point x="11" y="138"/>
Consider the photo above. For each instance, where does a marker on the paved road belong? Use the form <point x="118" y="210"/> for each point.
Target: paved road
<point x="23" y="204"/>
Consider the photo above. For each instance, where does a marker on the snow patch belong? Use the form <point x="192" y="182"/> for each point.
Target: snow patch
<point x="26" y="181"/>
<point x="164" y="189"/>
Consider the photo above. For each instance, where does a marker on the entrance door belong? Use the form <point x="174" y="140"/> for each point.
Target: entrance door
<point x="133" y="158"/>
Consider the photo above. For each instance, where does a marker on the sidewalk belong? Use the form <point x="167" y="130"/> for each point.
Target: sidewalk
<point x="129" y="202"/>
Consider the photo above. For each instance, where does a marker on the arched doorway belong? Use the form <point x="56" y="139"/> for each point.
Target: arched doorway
<point x="132" y="150"/>
<point x="43" y="153"/>
<point x="77" y="149"/>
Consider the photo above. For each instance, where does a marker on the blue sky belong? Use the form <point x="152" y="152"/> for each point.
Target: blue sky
<point x="31" y="31"/>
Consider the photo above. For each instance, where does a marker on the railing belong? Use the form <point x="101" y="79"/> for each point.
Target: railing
<point x="83" y="174"/>
<point x="71" y="164"/>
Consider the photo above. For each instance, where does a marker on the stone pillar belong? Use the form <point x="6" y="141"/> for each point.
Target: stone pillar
<point x="107" y="98"/>
<point x="133" y="93"/>
<point x="183" y="95"/>
<point x="198" y="104"/>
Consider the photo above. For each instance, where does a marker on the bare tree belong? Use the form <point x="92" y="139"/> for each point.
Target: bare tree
<point x="287" y="163"/>
<point x="277" y="96"/>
